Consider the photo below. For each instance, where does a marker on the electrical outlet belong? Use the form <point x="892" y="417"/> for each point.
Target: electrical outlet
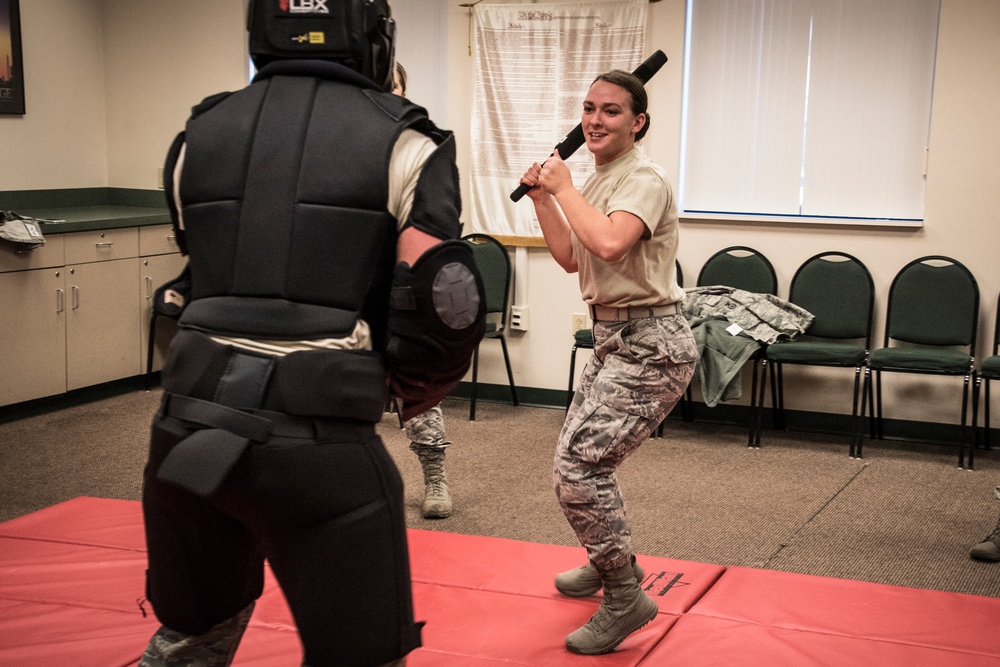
<point x="519" y="318"/>
<point x="579" y="322"/>
<point x="159" y="177"/>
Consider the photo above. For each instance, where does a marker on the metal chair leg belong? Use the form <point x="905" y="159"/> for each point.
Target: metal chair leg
<point x="878" y="404"/>
<point x="778" y="395"/>
<point x="572" y="369"/>
<point x="760" y="398"/>
<point x="871" y="406"/>
<point x="856" y="425"/>
<point x="986" y="414"/>
<point x="866" y="393"/>
<point x="753" y="405"/>
<point x="976" y="387"/>
<point x="475" y="376"/>
<point x="962" y="435"/>
<point x="688" y="408"/>
<point x="510" y="373"/>
<point x="149" y="351"/>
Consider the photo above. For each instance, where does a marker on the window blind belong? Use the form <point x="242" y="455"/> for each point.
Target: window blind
<point x="807" y="108"/>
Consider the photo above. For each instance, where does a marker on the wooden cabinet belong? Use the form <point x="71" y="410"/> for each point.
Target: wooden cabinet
<point x="102" y="325"/>
<point x="32" y="334"/>
<point x="157" y="240"/>
<point x="75" y="312"/>
<point x="32" y="322"/>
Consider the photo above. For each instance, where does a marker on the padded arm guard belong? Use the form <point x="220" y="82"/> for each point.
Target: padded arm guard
<point x="437" y="311"/>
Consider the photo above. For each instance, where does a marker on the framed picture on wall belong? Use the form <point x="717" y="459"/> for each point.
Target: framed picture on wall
<point x="11" y="65"/>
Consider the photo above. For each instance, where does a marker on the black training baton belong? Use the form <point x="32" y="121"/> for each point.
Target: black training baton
<point x="575" y="139"/>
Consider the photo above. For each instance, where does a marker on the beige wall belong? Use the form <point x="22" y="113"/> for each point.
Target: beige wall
<point x="110" y="82"/>
<point x="162" y="58"/>
<point x="61" y="139"/>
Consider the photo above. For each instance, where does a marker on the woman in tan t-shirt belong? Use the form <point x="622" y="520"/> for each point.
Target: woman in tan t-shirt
<point x="619" y="233"/>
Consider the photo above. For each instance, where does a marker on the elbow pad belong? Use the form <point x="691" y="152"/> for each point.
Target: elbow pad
<point x="437" y="310"/>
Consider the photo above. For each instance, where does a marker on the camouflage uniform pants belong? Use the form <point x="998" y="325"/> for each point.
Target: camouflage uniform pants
<point x="215" y="648"/>
<point x="427" y="430"/>
<point x="638" y="372"/>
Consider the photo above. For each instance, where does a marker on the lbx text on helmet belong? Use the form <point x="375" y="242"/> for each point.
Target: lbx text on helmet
<point x="308" y="7"/>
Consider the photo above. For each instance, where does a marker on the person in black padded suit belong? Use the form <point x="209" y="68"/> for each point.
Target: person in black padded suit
<point x="319" y="215"/>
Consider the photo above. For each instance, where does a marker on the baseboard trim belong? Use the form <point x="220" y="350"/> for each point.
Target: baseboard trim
<point x="738" y="415"/>
<point x="69" y="399"/>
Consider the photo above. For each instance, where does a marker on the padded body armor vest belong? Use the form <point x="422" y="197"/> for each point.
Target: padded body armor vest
<point x="283" y="192"/>
<point x="283" y="189"/>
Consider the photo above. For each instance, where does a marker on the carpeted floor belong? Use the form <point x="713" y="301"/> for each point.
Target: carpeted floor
<point x="904" y="515"/>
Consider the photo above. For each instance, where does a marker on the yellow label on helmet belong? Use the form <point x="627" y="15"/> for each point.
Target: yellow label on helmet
<point x="311" y="38"/>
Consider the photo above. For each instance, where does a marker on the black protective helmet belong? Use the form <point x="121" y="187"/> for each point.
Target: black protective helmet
<point x="357" y="33"/>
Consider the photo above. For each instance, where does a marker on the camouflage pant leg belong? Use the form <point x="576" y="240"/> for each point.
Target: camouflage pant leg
<point x="215" y="648"/>
<point x="427" y="430"/>
<point x="638" y="372"/>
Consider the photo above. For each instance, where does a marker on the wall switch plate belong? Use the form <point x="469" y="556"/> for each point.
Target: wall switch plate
<point x="579" y="322"/>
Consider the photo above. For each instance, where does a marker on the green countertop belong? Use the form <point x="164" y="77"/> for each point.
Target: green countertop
<point x="87" y="209"/>
<point x="88" y="218"/>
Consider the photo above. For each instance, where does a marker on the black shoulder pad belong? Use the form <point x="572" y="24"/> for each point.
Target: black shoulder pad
<point x="395" y="106"/>
<point x="208" y="103"/>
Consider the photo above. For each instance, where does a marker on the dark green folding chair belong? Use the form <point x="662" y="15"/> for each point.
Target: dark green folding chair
<point x="747" y="269"/>
<point x="740" y="267"/>
<point x="989" y="369"/>
<point x="930" y="328"/>
<point x="493" y="263"/>
<point x="838" y="290"/>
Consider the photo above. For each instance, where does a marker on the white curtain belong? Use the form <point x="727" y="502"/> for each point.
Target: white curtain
<point x="533" y="65"/>
<point x="808" y="107"/>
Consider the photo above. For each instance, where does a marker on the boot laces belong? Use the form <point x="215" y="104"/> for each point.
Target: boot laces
<point x="434" y="471"/>
<point x="436" y="487"/>
<point x="432" y="463"/>
<point x="602" y="618"/>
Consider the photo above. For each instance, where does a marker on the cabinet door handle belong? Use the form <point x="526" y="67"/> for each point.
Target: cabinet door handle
<point x="75" y="297"/>
<point x="171" y="238"/>
<point x="60" y="301"/>
<point x="149" y="288"/>
<point x="104" y="244"/>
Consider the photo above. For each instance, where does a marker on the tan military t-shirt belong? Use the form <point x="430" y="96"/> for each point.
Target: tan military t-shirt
<point x="647" y="275"/>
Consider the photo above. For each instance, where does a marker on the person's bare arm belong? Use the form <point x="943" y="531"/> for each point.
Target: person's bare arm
<point x="412" y="244"/>
<point x="607" y="237"/>
<point x="555" y="229"/>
